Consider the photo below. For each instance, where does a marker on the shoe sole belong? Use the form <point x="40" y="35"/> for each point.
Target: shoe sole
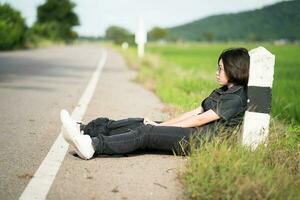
<point x="70" y="138"/>
<point x="77" y="147"/>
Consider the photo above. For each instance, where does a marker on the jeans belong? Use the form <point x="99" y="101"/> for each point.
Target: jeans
<point x="143" y="136"/>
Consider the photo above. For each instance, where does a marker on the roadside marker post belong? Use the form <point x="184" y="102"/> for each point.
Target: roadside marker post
<point x="141" y="38"/>
<point x="257" y="117"/>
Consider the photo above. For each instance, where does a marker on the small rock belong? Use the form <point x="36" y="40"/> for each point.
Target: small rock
<point x="115" y="190"/>
<point x="25" y="176"/>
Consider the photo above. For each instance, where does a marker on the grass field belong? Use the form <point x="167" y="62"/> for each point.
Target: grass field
<point x="182" y="75"/>
<point x="201" y="60"/>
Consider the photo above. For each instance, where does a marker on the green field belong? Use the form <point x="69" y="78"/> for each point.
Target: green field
<point x="182" y="75"/>
<point x="201" y="61"/>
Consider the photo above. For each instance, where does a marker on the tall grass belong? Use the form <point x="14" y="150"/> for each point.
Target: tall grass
<point x="221" y="170"/>
<point x="182" y="75"/>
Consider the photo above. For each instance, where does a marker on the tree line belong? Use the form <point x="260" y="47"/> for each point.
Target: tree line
<point x="55" y="22"/>
<point x="119" y="35"/>
<point x="279" y="21"/>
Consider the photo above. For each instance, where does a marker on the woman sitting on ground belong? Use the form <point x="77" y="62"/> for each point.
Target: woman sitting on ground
<point x="225" y="106"/>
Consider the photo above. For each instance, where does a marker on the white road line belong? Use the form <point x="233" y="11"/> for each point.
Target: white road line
<point x="39" y="185"/>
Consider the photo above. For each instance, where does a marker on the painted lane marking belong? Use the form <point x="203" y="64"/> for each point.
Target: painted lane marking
<point x="39" y="185"/>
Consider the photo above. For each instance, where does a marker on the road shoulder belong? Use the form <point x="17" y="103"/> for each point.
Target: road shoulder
<point x="139" y="175"/>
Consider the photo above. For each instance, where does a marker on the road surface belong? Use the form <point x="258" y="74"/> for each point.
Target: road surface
<point x="35" y="85"/>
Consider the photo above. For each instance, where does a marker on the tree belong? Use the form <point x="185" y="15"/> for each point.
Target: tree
<point x="12" y="27"/>
<point x="157" y="33"/>
<point x="208" y="36"/>
<point x="40" y="31"/>
<point x="59" y="12"/>
<point x="253" y="37"/>
<point x="119" y="35"/>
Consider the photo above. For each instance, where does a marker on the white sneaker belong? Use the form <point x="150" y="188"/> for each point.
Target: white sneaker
<point x="84" y="147"/>
<point x="71" y="133"/>
<point x="70" y="127"/>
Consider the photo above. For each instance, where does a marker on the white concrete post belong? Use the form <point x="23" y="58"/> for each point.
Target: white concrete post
<point x="141" y="38"/>
<point x="256" y="120"/>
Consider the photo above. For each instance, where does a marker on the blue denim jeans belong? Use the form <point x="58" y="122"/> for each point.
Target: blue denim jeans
<point x="168" y="138"/>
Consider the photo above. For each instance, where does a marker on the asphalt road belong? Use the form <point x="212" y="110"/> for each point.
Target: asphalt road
<point x="35" y="85"/>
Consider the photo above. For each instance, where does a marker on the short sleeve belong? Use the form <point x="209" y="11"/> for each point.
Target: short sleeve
<point x="228" y="106"/>
<point x="209" y="102"/>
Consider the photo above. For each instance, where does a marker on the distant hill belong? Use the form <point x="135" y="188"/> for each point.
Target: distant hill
<point x="278" y="21"/>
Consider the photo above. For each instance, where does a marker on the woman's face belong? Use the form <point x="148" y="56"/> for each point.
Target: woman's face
<point x="220" y="74"/>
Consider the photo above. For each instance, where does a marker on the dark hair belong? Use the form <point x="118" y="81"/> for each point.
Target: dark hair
<point x="236" y="63"/>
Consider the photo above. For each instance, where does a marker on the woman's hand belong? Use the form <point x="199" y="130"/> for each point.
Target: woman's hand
<point x="148" y="121"/>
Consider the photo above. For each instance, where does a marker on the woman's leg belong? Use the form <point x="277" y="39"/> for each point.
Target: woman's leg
<point x="95" y="127"/>
<point x="170" y="138"/>
<point x="144" y="136"/>
<point x="108" y="127"/>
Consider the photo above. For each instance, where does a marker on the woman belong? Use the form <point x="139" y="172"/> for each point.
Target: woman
<point x="225" y="106"/>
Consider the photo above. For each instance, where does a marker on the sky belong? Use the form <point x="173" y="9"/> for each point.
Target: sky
<point x="97" y="15"/>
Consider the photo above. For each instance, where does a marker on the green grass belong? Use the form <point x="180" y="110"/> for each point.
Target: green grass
<point x="182" y="75"/>
<point x="194" y="65"/>
<point x="220" y="170"/>
<point x="201" y="61"/>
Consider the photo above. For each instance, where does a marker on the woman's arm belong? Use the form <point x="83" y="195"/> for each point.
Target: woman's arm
<point x="183" y="116"/>
<point x="194" y="120"/>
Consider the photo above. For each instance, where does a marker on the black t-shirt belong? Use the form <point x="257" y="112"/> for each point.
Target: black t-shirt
<point x="229" y="103"/>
